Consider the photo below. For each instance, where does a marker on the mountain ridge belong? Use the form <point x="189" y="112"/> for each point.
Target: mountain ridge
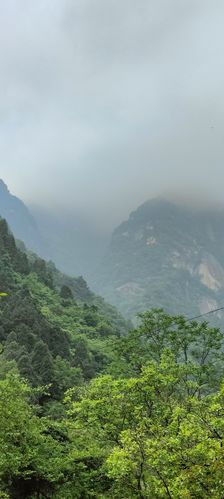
<point x="49" y="321"/>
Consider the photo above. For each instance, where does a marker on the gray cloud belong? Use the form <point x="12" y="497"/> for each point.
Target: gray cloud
<point x="106" y="103"/>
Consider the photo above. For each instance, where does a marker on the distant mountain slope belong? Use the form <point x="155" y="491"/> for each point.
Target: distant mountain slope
<point x="166" y="256"/>
<point x="19" y="218"/>
<point x="72" y="243"/>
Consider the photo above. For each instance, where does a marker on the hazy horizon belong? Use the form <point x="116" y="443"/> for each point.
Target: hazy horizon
<point x="67" y="219"/>
<point x="104" y="105"/>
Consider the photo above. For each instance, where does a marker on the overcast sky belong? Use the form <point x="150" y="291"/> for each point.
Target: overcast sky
<point x="105" y="103"/>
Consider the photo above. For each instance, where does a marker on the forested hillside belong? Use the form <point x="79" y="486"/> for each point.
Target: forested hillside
<point x="52" y="326"/>
<point x="88" y="409"/>
<point x="166" y="255"/>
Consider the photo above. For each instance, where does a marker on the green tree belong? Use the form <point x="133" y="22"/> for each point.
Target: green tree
<point x="42" y="364"/>
<point x="150" y="435"/>
<point x="32" y="459"/>
<point x="66" y="293"/>
<point x="192" y="343"/>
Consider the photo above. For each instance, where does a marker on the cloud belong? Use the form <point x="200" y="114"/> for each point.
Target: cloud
<point x="104" y="104"/>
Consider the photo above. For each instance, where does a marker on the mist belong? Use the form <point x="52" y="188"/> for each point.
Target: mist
<point x="106" y="104"/>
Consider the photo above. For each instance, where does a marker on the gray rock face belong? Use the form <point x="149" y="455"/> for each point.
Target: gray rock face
<point x="165" y="256"/>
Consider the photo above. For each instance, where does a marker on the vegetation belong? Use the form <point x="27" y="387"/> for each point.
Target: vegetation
<point x="51" y="326"/>
<point x="88" y="409"/>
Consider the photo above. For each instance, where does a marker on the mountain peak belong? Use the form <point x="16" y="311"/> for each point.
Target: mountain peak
<point x="166" y="255"/>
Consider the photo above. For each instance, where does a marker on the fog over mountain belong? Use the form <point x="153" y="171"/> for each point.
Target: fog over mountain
<point x="111" y="249"/>
<point x="166" y="255"/>
<point x="106" y="104"/>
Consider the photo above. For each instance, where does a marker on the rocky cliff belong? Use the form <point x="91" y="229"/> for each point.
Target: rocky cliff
<point x="168" y="256"/>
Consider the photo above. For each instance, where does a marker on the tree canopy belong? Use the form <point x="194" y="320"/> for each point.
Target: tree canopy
<point x="90" y="409"/>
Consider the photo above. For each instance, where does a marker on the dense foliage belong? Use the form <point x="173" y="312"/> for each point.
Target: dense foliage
<point x="54" y="329"/>
<point x="90" y="410"/>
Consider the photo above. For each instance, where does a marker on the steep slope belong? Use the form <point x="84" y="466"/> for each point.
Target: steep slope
<point x="19" y="219"/>
<point x="165" y="256"/>
<point x="67" y="239"/>
<point x="53" y="328"/>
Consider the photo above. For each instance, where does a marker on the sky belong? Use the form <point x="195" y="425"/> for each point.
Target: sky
<point x="106" y="103"/>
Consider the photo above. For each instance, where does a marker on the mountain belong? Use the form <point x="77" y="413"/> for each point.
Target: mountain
<point x="84" y="407"/>
<point x="67" y="239"/>
<point x="20" y="220"/>
<point x="52" y="326"/>
<point x="165" y="255"/>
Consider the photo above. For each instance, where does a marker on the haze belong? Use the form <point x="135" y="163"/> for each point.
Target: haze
<point x="107" y="103"/>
